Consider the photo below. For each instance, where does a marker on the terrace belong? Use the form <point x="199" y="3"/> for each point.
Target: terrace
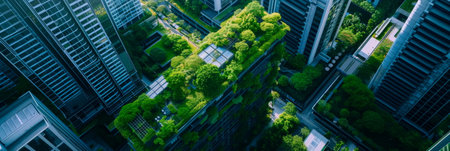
<point x="195" y="81"/>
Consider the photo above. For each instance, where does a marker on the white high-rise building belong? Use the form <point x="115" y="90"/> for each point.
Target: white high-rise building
<point x="28" y="125"/>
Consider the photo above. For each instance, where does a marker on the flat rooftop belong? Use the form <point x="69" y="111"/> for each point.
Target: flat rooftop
<point x="315" y="141"/>
<point x="368" y="48"/>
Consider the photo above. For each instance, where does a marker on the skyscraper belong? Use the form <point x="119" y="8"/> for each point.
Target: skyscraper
<point x="61" y="47"/>
<point x="413" y="80"/>
<point x="123" y="12"/>
<point x="314" y="24"/>
<point x="28" y="125"/>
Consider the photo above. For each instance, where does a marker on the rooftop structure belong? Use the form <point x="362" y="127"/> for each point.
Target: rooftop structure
<point x="368" y="48"/>
<point x="217" y="56"/>
<point x="315" y="141"/>
<point x="28" y="125"/>
<point x="157" y="87"/>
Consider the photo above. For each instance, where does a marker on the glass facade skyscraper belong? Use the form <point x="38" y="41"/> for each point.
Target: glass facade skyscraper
<point x="62" y="48"/>
<point x="314" y="24"/>
<point x="413" y="80"/>
<point x="123" y="12"/>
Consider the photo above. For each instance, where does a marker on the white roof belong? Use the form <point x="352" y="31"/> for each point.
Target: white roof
<point x="369" y="47"/>
<point x="315" y="141"/>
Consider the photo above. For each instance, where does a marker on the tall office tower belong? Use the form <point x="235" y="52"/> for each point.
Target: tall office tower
<point x="63" y="50"/>
<point x="123" y="12"/>
<point x="314" y="24"/>
<point x="7" y="77"/>
<point x="28" y="125"/>
<point x="413" y="80"/>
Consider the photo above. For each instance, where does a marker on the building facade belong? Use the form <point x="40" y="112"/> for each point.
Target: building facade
<point x="61" y="47"/>
<point x="7" y="77"/>
<point x="314" y="24"/>
<point x="413" y="80"/>
<point x="218" y="5"/>
<point x="28" y="125"/>
<point x="123" y="12"/>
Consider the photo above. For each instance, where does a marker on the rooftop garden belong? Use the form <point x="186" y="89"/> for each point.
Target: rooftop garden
<point x="192" y="83"/>
<point x="369" y="67"/>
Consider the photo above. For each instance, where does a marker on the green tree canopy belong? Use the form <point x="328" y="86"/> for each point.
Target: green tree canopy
<point x="293" y="143"/>
<point x="290" y="108"/>
<point x="247" y="35"/>
<point x="158" y="55"/>
<point x="372" y="121"/>
<point x="208" y="79"/>
<point x="283" y="81"/>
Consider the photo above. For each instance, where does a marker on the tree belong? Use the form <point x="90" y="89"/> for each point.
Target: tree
<point x="159" y="141"/>
<point x="152" y="4"/>
<point x="283" y="81"/>
<point x="241" y="46"/>
<point x="296" y="62"/>
<point x="176" y="79"/>
<point x="172" y="16"/>
<point x="372" y="121"/>
<point x="290" y="108"/>
<point x="250" y="23"/>
<point x="161" y="9"/>
<point x="208" y="79"/>
<point x="347" y="38"/>
<point x="267" y="27"/>
<point x="286" y="123"/>
<point x="301" y="81"/>
<point x="232" y="70"/>
<point x="158" y="55"/>
<point x="293" y="143"/>
<point x="247" y="35"/>
<point x="343" y="122"/>
<point x="177" y="60"/>
<point x="344" y="113"/>
<point x="193" y="62"/>
<point x="323" y="107"/>
<point x="272" y="18"/>
<point x="167" y="129"/>
<point x="304" y="131"/>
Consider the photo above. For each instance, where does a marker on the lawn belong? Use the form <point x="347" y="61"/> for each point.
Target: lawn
<point x="169" y="53"/>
